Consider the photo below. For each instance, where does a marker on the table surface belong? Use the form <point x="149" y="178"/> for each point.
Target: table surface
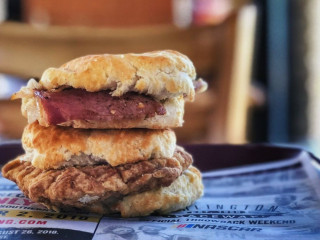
<point x="206" y="156"/>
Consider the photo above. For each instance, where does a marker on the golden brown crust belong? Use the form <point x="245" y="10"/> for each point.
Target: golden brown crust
<point x="94" y="187"/>
<point x="161" y="74"/>
<point x="183" y="192"/>
<point x="53" y="147"/>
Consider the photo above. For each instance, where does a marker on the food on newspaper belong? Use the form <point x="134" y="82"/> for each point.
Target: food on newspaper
<point x="99" y="136"/>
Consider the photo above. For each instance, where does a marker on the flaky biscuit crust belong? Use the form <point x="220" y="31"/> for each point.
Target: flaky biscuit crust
<point x="161" y="74"/>
<point x="53" y="147"/>
<point x="183" y="192"/>
<point x="94" y="187"/>
<point x="52" y="189"/>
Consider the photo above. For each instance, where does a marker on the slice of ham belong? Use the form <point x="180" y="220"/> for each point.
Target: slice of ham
<point x="78" y="104"/>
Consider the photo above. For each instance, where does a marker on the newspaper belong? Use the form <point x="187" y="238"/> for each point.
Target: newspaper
<point x="278" y="200"/>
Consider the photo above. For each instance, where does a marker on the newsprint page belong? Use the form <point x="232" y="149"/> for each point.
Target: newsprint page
<point x="278" y="200"/>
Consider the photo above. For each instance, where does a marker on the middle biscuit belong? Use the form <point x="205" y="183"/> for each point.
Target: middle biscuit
<point x="56" y="147"/>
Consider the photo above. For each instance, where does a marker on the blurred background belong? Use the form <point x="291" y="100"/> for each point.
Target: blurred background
<point x="259" y="57"/>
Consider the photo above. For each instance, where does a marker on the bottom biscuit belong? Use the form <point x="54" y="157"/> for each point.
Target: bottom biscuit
<point x="140" y="200"/>
<point x="183" y="192"/>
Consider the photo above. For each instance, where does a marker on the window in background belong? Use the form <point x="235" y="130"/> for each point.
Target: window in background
<point x="312" y="61"/>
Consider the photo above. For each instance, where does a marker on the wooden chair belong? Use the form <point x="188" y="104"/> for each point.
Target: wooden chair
<point x="222" y="55"/>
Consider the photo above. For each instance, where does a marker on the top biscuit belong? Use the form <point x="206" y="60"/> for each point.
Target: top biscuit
<point x="161" y="74"/>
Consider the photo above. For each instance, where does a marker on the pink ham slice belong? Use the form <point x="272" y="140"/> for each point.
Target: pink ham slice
<point x="78" y="104"/>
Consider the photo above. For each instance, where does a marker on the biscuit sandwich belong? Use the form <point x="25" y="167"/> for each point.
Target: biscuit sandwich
<point x="113" y="91"/>
<point x="99" y="137"/>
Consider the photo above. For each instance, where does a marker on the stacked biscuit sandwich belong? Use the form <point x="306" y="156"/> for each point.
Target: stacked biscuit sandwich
<point x="99" y="137"/>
